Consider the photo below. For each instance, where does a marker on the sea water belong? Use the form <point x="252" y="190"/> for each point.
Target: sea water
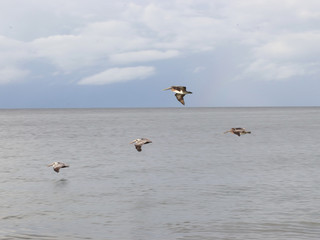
<point x="192" y="182"/>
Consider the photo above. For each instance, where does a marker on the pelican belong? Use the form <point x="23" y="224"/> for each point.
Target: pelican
<point x="139" y="142"/>
<point x="238" y="131"/>
<point x="57" y="165"/>
<point x="180" y="92"/>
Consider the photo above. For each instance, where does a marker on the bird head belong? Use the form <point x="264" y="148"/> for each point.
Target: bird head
<point x="50" y="165"/>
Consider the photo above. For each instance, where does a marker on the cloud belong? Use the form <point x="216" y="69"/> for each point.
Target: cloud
<point x="143" y="56"/>
<point x="291" y="46"/>
<point x="12" y="74"/>
<point x="89" y="46"/>
<point x="199" y="69"/>
<point x="13" y="53"/>
<point x="266" y="70"/>
<point x="282" y="42"/>
<point x="178" y="26"/>
<point x="131" y="39"/>
<point x="118" y="75"/>
<point x="141" y="33"/>
<point x="286" y="56"/>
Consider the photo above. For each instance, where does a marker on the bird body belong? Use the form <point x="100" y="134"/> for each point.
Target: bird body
<point x="180" y="91"/>
<point x="57" y="165"/>
<point x="238" y="131"/>
<point x="139" y="142"/>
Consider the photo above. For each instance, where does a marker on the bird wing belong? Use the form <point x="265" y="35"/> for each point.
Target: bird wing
<point x="237" y="133"/>
<point x="179" y="88"/>
<point x="138" y="147"/>
<point x="145" y="141"/>
<point x="180" y="97"/>
<point x="56" y="169"/>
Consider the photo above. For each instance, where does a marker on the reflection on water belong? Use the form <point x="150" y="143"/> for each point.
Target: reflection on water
<point x="61" y="182"/>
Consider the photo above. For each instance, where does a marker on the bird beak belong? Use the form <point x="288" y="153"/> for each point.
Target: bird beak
<point x="166" y="89"/>
<point x="50" y="165"/>
<point x="131" y="142"/>
<point x="226" y="132"/>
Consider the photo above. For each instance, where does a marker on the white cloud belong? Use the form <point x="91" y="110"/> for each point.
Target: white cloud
<point x="143" y="56"/>
<point x="12" y="74"/>
<point x="199" y="69"/>
<point x="13" y="51"/>
<point x="282" y="42"/>
<point x="89" y="46"/>
<point x="291" y="46"/>
<point x="118" y="75"/>
<point x="140" y="37"/>
<point x="179" y="27"/>
<point x="287" y="56"/>
<point x="12" y="54"/>
<point x="266" y="70"/>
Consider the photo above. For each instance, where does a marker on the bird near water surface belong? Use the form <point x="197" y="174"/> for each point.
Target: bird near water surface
<point x="139" y="142"/>
<point x="57" y="165"/>
<point x="238" y="131"/>
<point x="180" y="91"/>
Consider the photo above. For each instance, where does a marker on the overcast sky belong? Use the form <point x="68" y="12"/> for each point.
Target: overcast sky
<point x="100" y="53"/>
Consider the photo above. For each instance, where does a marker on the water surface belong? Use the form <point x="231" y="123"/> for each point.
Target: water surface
<point x="192" y="182"/>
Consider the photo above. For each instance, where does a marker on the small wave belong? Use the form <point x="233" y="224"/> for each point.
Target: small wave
<point x="14" y="236"/>
<point x="13" y="217"/>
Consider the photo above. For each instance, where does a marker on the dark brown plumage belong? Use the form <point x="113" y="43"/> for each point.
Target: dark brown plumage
<point x="180" y="97"/>
<point x="238" y="131"/>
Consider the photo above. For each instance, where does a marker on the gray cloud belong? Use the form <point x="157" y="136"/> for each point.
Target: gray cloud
<point x="282" y="41"/>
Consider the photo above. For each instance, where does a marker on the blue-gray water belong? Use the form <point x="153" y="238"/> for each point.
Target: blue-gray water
<point x="192" y="182"/>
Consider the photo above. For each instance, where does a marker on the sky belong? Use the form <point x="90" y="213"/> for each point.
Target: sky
<point x="103" y="53"/>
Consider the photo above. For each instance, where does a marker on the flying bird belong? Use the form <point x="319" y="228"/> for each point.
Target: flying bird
<point x="180" y="92"/>
<point x="238" y="131"/>
<point x="139" y="142"/>
<point x="57" y="165"/>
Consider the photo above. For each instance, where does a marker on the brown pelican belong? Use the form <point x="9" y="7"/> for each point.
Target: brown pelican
<point x="57" y="165"/>
<point x="180" y="92"/>
<point x="139" y="142"/>
<point x="238" y="131"/>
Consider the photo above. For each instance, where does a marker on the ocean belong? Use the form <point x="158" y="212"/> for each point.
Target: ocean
<point x="192" y="182"/>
